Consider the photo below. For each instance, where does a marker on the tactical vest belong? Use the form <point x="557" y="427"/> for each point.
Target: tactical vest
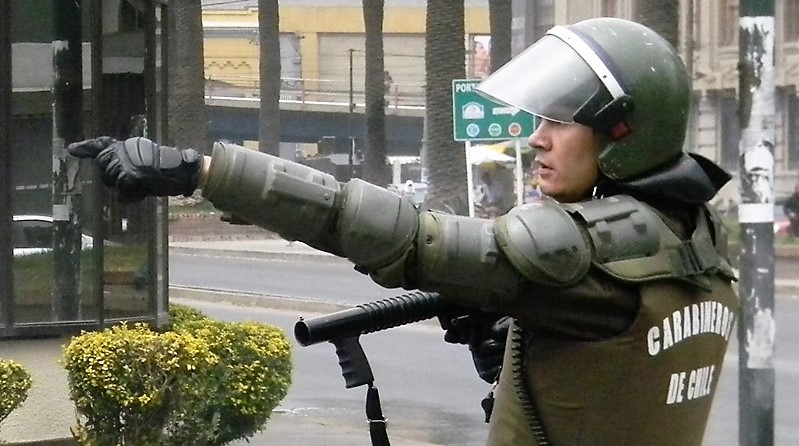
<point x="651" y="385"/>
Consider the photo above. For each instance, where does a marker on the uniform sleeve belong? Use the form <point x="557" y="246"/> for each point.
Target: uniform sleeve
<point x="598" y="307"/>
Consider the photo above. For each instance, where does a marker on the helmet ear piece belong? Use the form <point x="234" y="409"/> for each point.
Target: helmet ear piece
<point x="610" y="118"/>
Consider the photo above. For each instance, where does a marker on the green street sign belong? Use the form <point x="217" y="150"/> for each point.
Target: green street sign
<point x="475" y="117"/>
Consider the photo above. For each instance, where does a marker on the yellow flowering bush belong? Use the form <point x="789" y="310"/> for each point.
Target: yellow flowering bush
<point x="15" y="382"/>
<point x="181" y="314"/>
<point x="237" y="397"/>
<point x="127" y="381"/>
<point x="202" y="382"/>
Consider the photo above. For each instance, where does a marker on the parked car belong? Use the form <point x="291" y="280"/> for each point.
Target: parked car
<point x="33" y="234"/>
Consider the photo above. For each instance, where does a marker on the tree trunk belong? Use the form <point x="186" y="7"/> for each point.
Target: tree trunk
<point x="662" y="16"/>
<point x="376" y="169"/>
<point x="187" y="116"/>
<point x="500" y="15"/>
<point x="445" y="55"/>
<point x="269" y="70"/>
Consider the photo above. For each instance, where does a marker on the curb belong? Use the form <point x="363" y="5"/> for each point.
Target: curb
<point x="66" y="441"/>
<point x="271" y="255"/>
<point x="256" y="300"/>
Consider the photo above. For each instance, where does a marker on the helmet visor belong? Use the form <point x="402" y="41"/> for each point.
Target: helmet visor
<point x="549" y="80"/>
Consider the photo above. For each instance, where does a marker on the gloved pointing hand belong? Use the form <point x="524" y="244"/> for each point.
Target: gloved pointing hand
<point x="138" y="168"/>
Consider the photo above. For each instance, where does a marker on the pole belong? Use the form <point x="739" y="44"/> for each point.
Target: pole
<point x="67" y="116"/>
<point x="469" y="178"/>
<point x="756" y="329"/>
<point x="6" y="161"/>
<point x="349" y="121"/>
<point x="519" y="172"/>
<point x="688" y="58"/>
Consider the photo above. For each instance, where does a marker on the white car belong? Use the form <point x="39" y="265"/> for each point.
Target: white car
<point x="33" y="234"/>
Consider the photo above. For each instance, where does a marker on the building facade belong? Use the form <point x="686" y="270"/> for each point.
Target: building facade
<point x="316" y="39"/>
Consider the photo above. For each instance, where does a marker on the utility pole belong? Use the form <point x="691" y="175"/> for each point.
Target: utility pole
<point x="757" y="325"/>
<point x="350" y="139"/>
<point x="688" y="51"/>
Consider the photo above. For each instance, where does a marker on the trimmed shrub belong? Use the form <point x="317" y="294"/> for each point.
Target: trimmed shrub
<point x="203" y="383"/>
<point x="181" y="314"/>
<point x="237" y="397"/>
<point x="15" y="382"/>
<point x="127" y="381"/>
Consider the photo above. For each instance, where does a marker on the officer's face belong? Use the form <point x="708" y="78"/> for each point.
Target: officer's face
<point x="567" y="157"/>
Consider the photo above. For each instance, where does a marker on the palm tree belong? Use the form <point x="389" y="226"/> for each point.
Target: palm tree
<point x="500" y="14"/>
<point x="269" y="71"/>
<point x="376" y="169"/>
<point x="444" y="159"/>
<point x="187" y="125"/>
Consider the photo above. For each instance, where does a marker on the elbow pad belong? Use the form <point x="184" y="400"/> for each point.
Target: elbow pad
<point x="376" y="229"/>
<point x="459" y="256"/>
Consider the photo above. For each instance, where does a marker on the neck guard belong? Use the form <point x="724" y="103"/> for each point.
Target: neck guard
<point x="691" y="179"/>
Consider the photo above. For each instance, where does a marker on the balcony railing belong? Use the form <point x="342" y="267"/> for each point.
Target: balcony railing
<point x="314" y="91"/>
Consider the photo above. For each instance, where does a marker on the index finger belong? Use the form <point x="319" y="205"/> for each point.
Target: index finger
<point x="89" y="148"/>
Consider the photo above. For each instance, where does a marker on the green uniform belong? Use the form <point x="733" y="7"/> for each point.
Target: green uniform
<point x="651" y="384"/>
<point x="624" y="314"/>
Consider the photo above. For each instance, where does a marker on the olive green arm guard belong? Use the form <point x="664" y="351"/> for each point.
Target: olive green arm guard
<point x="367" y="224"/>
<point x="382" y="233"/>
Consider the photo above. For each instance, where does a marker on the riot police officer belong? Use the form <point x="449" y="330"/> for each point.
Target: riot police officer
<point x="618" y="284"/>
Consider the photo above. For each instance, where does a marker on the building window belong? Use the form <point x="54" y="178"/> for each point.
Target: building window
<point x="790" y="24"/>
<point x="792" y="124"/>
<point x="728" y="23"/>
<point x="729" y="132"/>
<point x="543" y="17"/>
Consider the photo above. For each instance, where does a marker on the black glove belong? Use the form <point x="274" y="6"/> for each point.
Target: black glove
<point x="138" y="168"/>
<point x="485" y="333"/>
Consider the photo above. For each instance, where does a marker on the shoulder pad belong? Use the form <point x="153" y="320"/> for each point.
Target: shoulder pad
<point x="632" y="243"/>
<point x="620" y="227"/>
<point x="544" y="243"/>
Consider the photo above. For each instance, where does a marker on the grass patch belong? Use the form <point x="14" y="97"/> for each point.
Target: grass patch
<point x="33" y="274"/>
